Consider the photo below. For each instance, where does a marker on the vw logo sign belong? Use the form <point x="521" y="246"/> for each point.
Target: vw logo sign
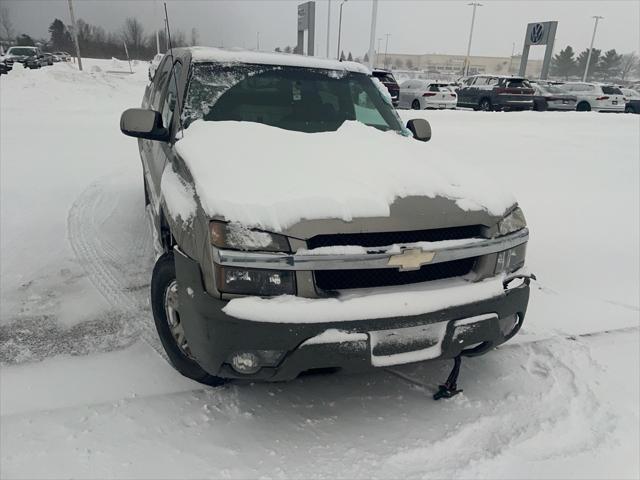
<point x="536" y="33"/>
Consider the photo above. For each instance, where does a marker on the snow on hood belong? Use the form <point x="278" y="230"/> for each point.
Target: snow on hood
<point x="271" y="178"/>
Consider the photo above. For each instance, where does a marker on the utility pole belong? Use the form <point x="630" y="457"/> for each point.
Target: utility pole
<point x="340" y="28"/>
<point x="372" y="34"/>
<point x="378" y="53"/>
<point x="386" y="48"/>
<point x="593" y="37"/>
<point x="513" y="51"/>
<point x="75" y="34"/>
<point x="258" y="41"/>
<point x="155" y="10"/>
<point x="328" y="27"/>
<point x="473" y="20"/>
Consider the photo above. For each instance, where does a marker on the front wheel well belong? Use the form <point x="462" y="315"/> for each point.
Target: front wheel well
<point x="167" y="240"/>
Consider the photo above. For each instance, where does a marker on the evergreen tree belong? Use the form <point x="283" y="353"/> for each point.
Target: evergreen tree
<point x="25" y="40"/>
<point x="610" y="65"/>
<point x="342" y="56"/>
<point x="564" y="64"/>
<point x="366" y="58"/>
<point x="60" y="38"/>
<point x="350" y="57"/>
<point x="593" y="63"/>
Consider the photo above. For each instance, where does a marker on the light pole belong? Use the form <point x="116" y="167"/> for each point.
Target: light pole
<point x="378" y="53"/>
<point x="75" y="34"/>
<point x="258" y="41"/>
<point x="372" y="32"/>
<point x="473" y="20"/>
<point x="593" y="37"/>
<point x="513" y="50"/>
<point x="340" y="27"/>
<point x="386" y="48"/>
<point x="328" y="26"/>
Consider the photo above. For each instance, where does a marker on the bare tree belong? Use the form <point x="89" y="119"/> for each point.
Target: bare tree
<point x="5" y="22"/>
<point x="194" y="37"/>
<point x="630" y="63"/>
<point x="133" y="35"/>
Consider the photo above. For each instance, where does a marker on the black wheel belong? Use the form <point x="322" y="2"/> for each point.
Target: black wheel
<point x="630" y="109"/>
<point x="540" y="105"/>
<point x="415" y="105"/>
<point x="485" y="105"/>
<point x="166" y="315"/>
<point x="583" y="107"/>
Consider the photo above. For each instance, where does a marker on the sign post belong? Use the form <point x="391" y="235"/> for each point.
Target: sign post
<point x="540" y="33"/>
<point x="306" y="21"/>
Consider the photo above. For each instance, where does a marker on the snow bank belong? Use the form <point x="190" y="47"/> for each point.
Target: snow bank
<point x="211" y="54"/>
<point x="394" y="301"/>
<point x="271" y="178"/>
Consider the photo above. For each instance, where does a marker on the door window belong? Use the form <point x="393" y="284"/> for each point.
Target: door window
<point x="171" y="98"/>
<point x="159" y="83"/>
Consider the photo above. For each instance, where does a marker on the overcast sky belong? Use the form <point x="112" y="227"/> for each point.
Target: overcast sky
<point x="415" y="26"/>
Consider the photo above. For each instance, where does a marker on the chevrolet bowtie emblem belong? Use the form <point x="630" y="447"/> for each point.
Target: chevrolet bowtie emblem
<point x="411" y="259"/>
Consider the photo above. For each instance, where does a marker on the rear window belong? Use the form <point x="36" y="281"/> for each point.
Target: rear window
<point x="384" y="77"/>
<point x="611" y="91"/>
<point x="518" y="83"/>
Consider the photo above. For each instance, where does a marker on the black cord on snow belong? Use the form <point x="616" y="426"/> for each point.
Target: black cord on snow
<point x="450" y="387"/>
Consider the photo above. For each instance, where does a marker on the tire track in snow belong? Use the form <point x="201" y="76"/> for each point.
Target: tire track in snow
<point x="112" y="243"/>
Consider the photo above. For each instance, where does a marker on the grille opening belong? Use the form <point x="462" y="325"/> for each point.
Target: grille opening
<point x="382" y="239"/>
<point x="383" y="277"/>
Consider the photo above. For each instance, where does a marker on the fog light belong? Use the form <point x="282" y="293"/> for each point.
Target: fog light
<point x="509" y="324"/>
<point x="245" y="363"/>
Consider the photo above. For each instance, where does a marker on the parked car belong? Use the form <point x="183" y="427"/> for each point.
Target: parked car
<point x="422" y="94"/>
<point x="493" y="92"/>
<point x="63" y="56"/>
<point x="6" y="65"/>
<point x="552" y="97"/>
<point x="29" y="56"/>
<point x="153" y="66"/>
<point x="219" y="253"/>
<point x="632" y="100"/>
<point x="389" y="81"/>
<point x="47" y="58"/>
<point x="596" y="97"/>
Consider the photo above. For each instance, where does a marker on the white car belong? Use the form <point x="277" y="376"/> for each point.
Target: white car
<point x="421" y="94"/>
<point x="596" y="97"/>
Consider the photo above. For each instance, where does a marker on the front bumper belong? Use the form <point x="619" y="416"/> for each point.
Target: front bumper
<point x="213" y="336"/>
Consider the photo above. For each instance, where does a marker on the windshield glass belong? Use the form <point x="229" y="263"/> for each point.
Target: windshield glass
<point x="22" y="51"/>
<point x="293" y="98"/>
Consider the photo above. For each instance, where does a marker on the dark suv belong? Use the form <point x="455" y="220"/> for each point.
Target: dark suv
<point x="388" y="80"/>
<point x="493" y="92"/>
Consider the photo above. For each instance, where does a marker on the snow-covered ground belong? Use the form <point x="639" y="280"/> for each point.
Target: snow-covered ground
<point x="83" y="392"/>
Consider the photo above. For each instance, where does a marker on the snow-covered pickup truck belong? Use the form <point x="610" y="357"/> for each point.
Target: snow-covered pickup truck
<point x="299" y="226"/>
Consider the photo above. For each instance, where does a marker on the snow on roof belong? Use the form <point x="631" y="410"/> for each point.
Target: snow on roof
<point x="266" y="177"/>
<point x="223" y="55"/>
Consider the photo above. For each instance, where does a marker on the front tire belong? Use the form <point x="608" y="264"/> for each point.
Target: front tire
<point x="166" y="315"/>
<point x="540" y="105"/>
<point x="415" y="105"/>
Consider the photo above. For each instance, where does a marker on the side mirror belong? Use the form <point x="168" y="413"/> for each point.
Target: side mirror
<point x="142" y="123"/>
<point x="420" y="128"/>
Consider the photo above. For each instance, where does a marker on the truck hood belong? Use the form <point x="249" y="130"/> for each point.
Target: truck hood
<point x="300" y="183"/>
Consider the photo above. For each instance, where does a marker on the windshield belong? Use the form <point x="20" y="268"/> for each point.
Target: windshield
<point x="292" y="98"/>
<point x="22" y="51"/>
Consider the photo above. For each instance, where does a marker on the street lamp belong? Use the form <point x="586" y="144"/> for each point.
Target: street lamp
<point x="473" y="19"/>
<point x="386" y="48"/>
<point x="340" y="27"/>
<point x="593" y="37"/>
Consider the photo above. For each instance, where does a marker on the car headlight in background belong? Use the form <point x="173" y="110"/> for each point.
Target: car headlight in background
<point x="253" y="281"/>
<point x="513" y="222"/>
<point x="238" y="237"/>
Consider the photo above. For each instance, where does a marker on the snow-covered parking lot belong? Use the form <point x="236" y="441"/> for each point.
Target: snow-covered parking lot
<point x="84" y="393"/>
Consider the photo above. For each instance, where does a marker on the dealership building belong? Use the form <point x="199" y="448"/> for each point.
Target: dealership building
<point x="437" y="64"/>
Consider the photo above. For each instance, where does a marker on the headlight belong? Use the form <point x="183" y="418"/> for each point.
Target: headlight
<point x="236" y="236"/>
<point x="252" y="281"/>
<point x="513" y="222"/>
<point x="511" y="260"/>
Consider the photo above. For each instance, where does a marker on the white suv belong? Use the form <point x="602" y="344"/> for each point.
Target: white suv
<point x="596" y="97"/>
